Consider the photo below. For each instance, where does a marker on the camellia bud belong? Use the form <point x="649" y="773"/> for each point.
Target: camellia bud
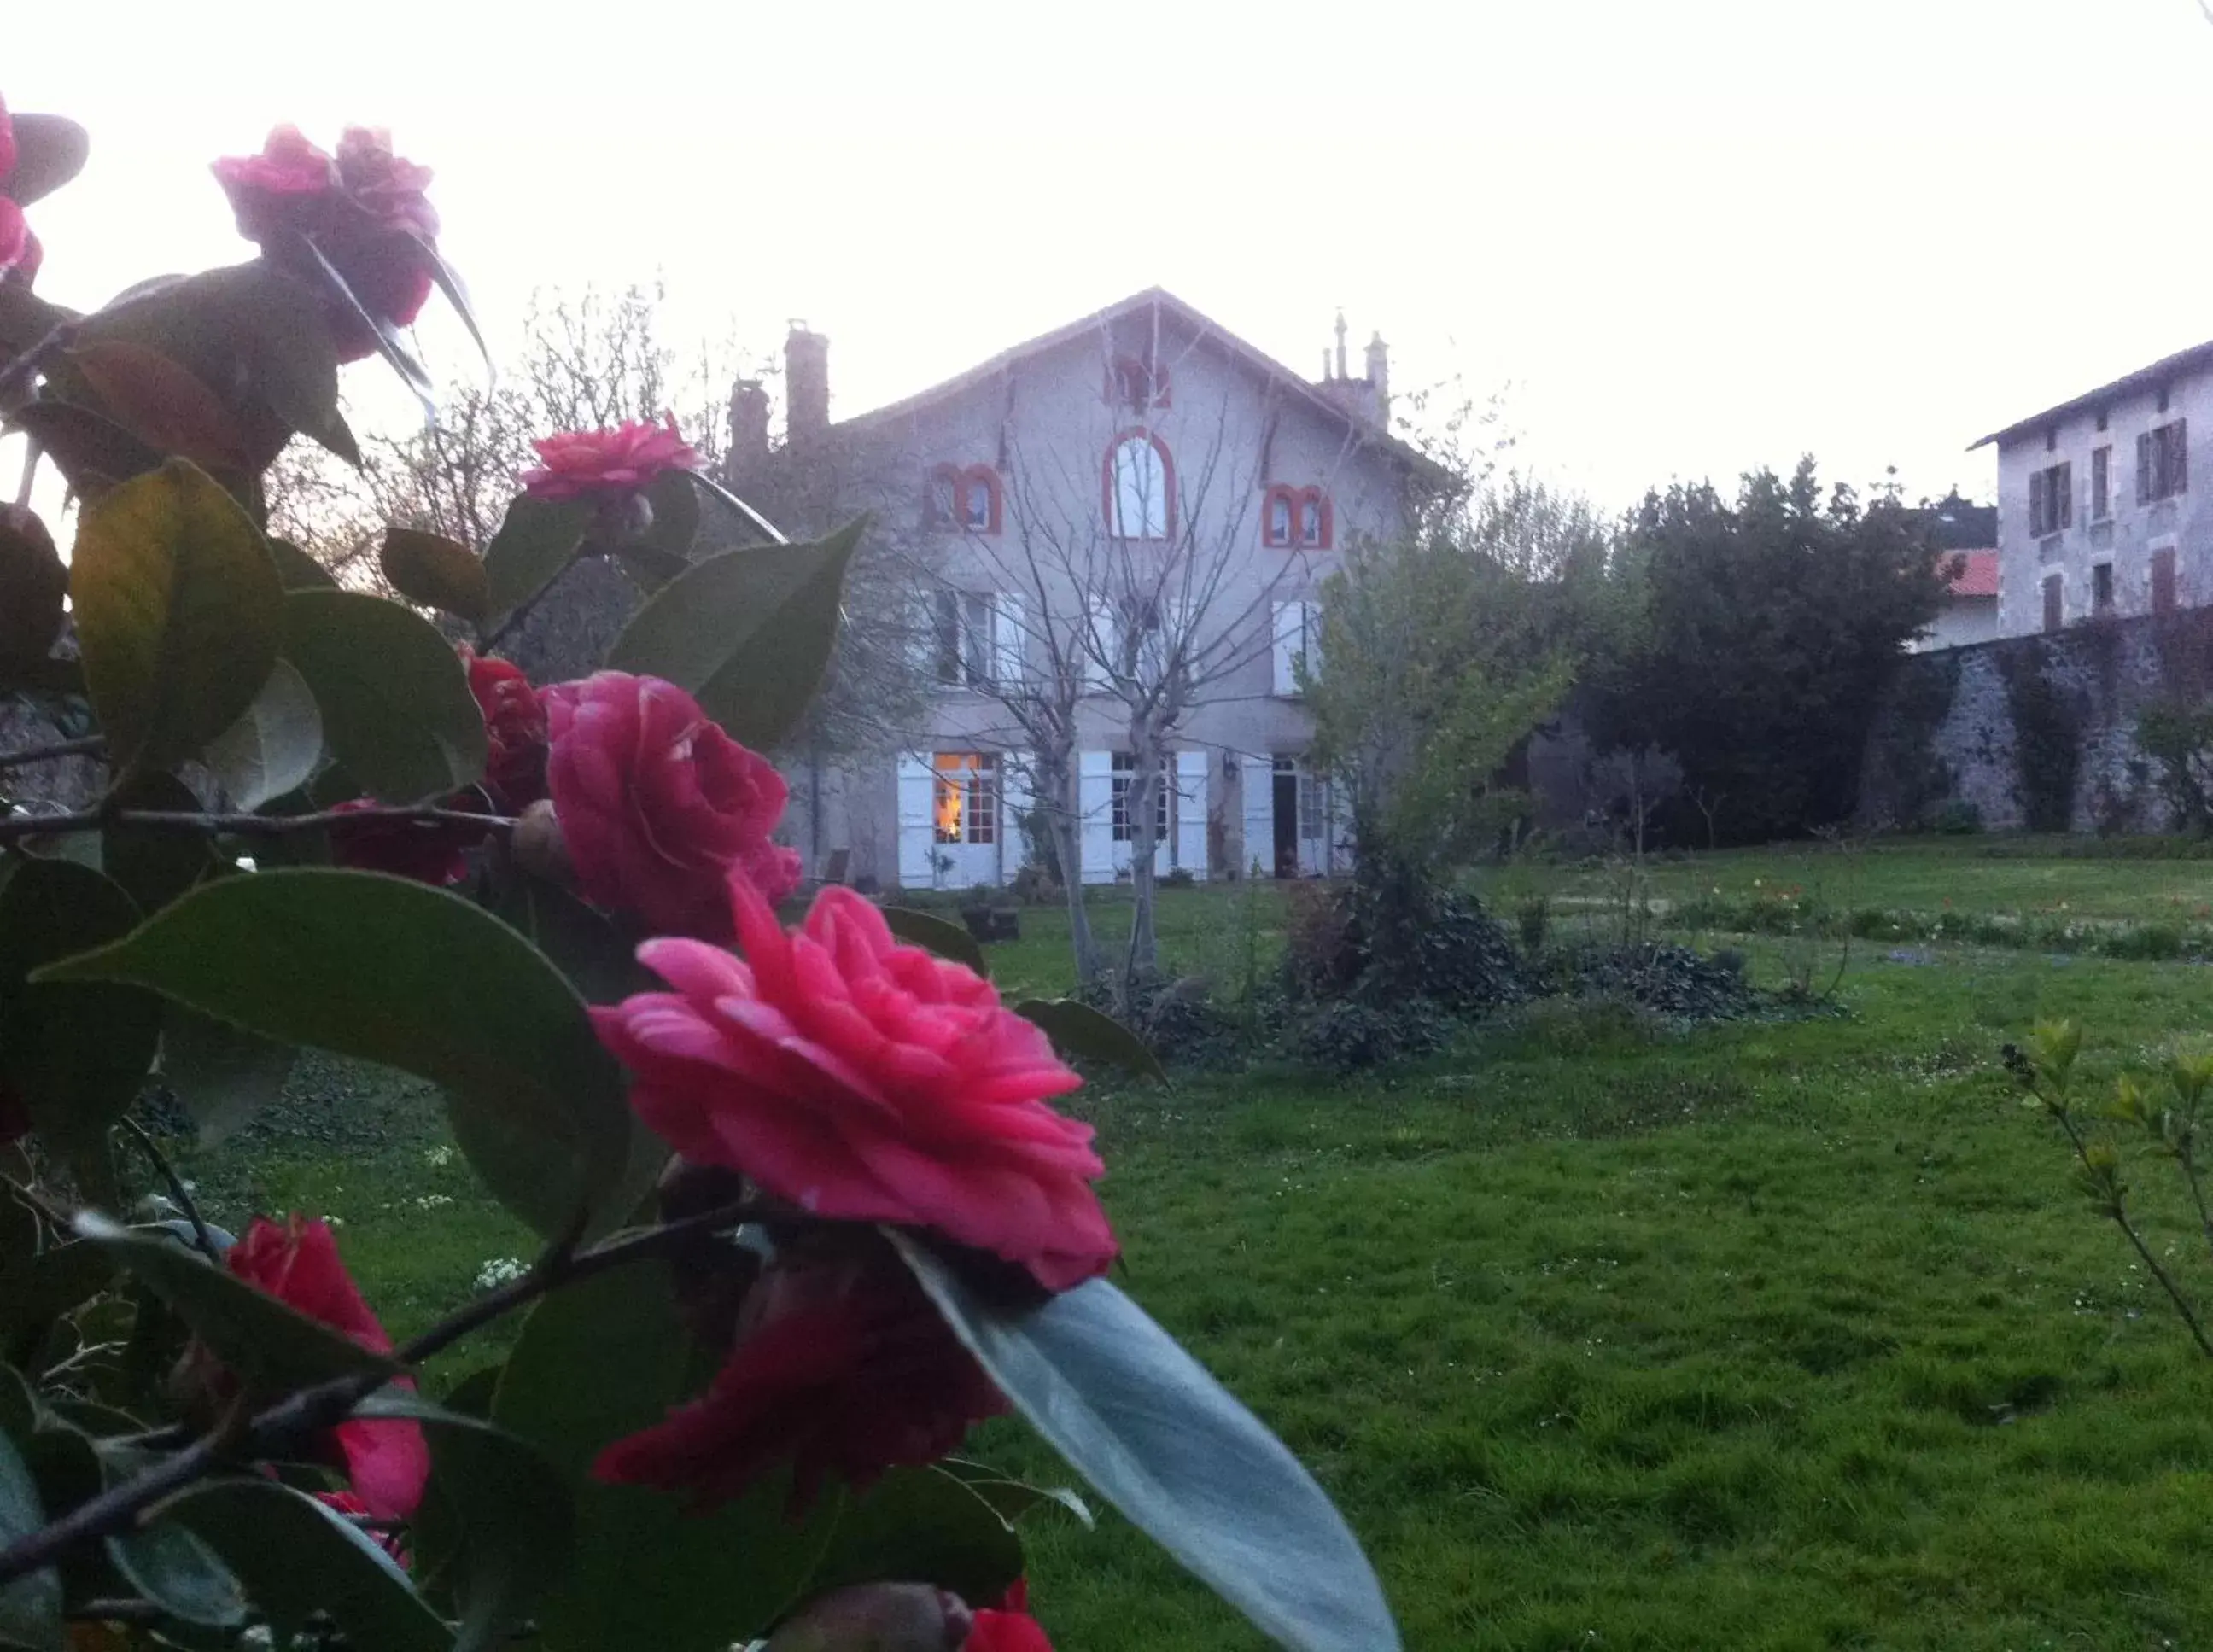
<point x="878" y="1617"/>
<point x="539" y="847"/>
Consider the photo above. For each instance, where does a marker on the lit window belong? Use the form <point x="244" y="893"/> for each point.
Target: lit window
<point x="967" y="804"/>
<point x="1125" y="772"/>
<point x="1138" y="481"/>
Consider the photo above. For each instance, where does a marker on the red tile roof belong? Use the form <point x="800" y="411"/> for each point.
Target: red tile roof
<point x="1978" y="575"/>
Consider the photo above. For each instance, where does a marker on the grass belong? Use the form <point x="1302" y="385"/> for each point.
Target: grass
<point x="1770" y="1336"/>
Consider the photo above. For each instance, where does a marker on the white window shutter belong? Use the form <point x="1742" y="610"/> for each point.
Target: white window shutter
<point x="1256" y="780"/>
<point x="1190" y="767"/>
<point x="1014" y="809"/>
<point x="917" y="832"/>
<point x="1287" y="629"/>
<point x="1094" y="800"/>
<point x="1009" y="638"/>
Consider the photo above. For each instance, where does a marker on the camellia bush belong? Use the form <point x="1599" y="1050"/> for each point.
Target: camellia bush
<point x="808" y="1210"/>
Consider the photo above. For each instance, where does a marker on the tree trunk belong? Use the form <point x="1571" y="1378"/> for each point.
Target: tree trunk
<point x="1051" y="787"/>
<point x="1144" y="956"/>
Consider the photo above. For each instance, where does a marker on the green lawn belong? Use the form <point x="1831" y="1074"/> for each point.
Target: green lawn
<point x="1778" y="1335"/>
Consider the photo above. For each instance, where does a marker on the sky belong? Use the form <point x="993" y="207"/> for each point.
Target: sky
<point x="1684" y="238"/>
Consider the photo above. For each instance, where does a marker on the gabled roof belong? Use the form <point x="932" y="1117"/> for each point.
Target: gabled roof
<point x="1254" y="358"/>
<point x="1978" y="575"/>
<point x="2144" y="378"/>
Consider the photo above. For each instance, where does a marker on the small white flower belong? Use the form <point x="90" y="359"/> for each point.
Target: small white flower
<point x="500" y="1270"/>
<point x="439" y="1157"/>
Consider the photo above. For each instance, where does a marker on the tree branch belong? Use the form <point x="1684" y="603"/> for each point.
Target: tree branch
<point x="178" y="1192"/>
<point x="310" y="1411"/>
<point x="243" y="826"/>
<point x="55" y="752"/>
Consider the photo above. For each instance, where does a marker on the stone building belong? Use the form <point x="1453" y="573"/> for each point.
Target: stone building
<point x="1139" y="492"/>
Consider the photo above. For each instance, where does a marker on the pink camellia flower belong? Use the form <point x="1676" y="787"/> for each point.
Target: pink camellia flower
<point x="864" y="1081"/>
<point x="620" y="460"/>
<point x="657" y="804"/>
<point x="364" y="211"/>
<point x="15" y="234"/>
<point x="842" y="1365"/>
<point x="1009" y="1626"/>
<point x="514" y="730"/>
<point x="297" y="1263"/>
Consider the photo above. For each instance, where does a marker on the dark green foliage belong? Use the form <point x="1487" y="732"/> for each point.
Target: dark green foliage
<point x="1390" y="936"/>
<point x="1771" y="624"/>
<point x="2179" y="737"/>
<point x="1955" y="818"/>
<point x="1346" y="1036"/>
<point x="1907" y="782"/>
<point x="2047" y="730"/>
<point x="1667" y="981"/>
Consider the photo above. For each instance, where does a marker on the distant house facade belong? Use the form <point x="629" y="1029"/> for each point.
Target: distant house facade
<point x="2097" y="515"/>
<point x="1970" y="611"/>
<point x="1026" y="499"/>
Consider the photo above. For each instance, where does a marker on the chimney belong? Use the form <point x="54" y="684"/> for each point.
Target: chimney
<point x="1379" y="379"/>
<point x="749" y="428"/>
<point x="1342" y="371"/>
<point x="806" y="384"/>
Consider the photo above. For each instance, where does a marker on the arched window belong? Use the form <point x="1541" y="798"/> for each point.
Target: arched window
<point x="1140" y="487"/>
<point x="1314" y="525"/>
<point x="1136" y="384"/>
<point x="979" y="499"/>
<point x="1279" y="511"/>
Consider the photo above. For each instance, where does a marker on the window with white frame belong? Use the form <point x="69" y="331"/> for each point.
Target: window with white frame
<point x="962" y="630"/>
<point x="1138" y="481"/>
<point x="966" y="803"/>
<point x="1124" y="774"/>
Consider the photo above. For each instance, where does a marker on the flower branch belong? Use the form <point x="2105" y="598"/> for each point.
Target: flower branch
<point x="243" y="826"/>
<point x="90" y="745"/>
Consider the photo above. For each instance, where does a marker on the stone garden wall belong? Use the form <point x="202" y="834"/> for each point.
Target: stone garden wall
<point x="2035" y="733"/>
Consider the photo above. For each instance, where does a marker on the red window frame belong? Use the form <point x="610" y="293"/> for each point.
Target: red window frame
<point x="959" y="478"/>
<point x="1137" y="433"/>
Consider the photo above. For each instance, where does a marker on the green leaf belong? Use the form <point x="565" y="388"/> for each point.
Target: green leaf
<point x="599" y="961"/>
<point x="1172" y="1449"/>
<point x="75" y="1054"/>
<point x="32" y="584"/>
<point x="297" y="1559"/>
<point x="153" y="866"/>
<point x="748" y="633"/>
<point x="178" y="612"/>
<point x="415" y="978"/>
<point x="93" y="452"/>
<point x="437" y="572"/>
<point x="31" y="1606"/>
<point x="271" y="1345"/>
<point x="535" y="545"/>
<point x="501" y="1515"/>
<point x="937" y="935"/>
<point x="298" y="570"/>
<point x="1077" y="1029"/>
<point x="602" y="1359"/>
<point x="221" y="1075"/>
<point x="179" y="1573"/>
<point x="918" y="1525"/>
<point x="397" y="712"/>
<point x="161" y="403"/>
<point x="273" y="746"/>
<point x="37" y="1287"/>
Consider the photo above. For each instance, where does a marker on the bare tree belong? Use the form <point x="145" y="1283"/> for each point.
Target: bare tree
<point x="1150" y="603"/>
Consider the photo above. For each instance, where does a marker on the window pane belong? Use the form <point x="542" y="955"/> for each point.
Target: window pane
<point x="1310" y="522"/>
<point x="1141" y="509"/>
<point x="979" y="502"/>
<point x="1279" y="521"/>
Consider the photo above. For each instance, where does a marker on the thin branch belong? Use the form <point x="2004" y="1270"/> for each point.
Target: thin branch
<point x="310" y="1411"/>
<point x="178" y="1192"/>
<point x="243" y="826"/>
<point x="55" y="752"/>
<point x="2120" y="1218"/>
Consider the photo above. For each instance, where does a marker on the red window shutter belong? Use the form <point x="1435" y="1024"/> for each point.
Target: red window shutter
<point x="2053" y="613"/>
<point x="2067" y="495"/>
<point x="2162" y="580"/>
<point x="2178" y="456"/>
<point x="2036" y="504"/>
<point x="2143" y="468"/>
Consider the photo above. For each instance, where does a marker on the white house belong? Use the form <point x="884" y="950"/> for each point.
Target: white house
<point x="2096" y="515"/>
<point x="1144" y="439"/>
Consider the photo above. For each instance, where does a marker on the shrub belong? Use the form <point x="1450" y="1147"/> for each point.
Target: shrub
<point x="2179" y="738"/>
<point x="1035" y="886"/>
<point x="1532" y="919"/>
<point x="1347" y="1035"/>
<point x="1179" y="877"/>
<point x="1667" y="981"/>
<point x="1956" y="818"/>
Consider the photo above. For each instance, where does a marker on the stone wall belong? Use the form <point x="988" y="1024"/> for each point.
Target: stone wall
<point x="2037" y="732"/>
